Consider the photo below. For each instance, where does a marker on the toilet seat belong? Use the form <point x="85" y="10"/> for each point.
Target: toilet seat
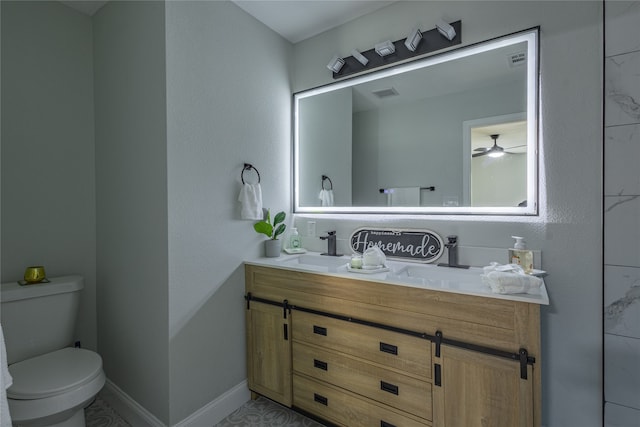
<point x="53" y="373"/>
<point x="54" y="386"/>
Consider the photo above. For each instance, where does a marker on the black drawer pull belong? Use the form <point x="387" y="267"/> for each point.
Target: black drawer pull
<point x="388" y="348"/>
<point x="389" y="388"/>
<point x="437" y="374"/>
<point x="319" y="330"/>
<point x="383" y="423"/>
<point x="320" y="399"/>
<point x="320" y="364"/>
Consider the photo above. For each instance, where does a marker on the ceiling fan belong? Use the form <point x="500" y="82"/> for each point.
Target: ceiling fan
<point x="494" y="151"/>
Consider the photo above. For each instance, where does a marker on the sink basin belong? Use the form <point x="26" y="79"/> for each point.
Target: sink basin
<point x="317" y="262"/>
<point x="442" y="277"/>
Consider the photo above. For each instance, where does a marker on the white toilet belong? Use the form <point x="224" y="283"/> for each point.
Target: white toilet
<point x="52" y="381"/>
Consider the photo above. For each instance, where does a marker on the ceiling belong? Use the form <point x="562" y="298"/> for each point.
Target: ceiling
<point x="295" y="20"/>
<point x="88" y="7"/>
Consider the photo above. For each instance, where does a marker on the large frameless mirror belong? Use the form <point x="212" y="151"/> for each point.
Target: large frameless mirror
<point x="454" y="133"/>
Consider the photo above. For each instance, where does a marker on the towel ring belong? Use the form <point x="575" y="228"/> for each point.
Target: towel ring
<point x="247" y="167"/>
<point x="325" y="177"/>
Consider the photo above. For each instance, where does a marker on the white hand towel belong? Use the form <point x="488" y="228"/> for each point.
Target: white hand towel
<point x="326" y="197"/>
<point x="5" y="383"/>
<point x="506" y="282"/>
<point x="251" y="199"/>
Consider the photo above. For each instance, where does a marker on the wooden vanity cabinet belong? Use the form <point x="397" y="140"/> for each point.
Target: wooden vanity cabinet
<point x="360" y="353"/>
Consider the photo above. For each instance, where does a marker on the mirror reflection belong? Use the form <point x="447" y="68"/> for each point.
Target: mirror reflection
<point x="453" y="133"/>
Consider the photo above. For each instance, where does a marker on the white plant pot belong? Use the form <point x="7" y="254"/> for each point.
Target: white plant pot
<point x="272" y="248"/>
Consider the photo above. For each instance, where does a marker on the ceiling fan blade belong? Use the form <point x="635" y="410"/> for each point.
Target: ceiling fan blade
<point x="480" y="154"/>
<point x="483" y="149"/>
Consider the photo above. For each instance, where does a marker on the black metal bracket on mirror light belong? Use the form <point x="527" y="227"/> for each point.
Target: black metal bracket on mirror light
<point x="432" y="41"/>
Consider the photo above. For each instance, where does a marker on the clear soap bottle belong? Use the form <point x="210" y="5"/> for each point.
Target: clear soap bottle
<point x="295" y="242"/>
<point x="520" y="255"/>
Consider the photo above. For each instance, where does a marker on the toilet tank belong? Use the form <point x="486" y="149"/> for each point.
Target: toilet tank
<point x="37" y="319"/>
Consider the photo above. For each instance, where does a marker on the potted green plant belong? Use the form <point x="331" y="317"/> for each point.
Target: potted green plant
<point x="273" y="246"/>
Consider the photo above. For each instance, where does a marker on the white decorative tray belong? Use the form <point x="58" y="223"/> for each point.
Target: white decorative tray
<point x="367" y="270"/>
<point x="295" y="250"/>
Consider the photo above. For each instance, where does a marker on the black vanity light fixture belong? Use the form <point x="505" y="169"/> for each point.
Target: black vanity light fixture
<point x="418" y="42"/>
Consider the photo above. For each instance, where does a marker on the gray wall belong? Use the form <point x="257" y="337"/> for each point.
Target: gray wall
<point x="568" y="229"/>
<point x="176" y="115"/>
<point x="48" y="196"/>
<point x="228" y="102"/>
<point x="0" y="145"/>
<point x="168" y="261"/>
<point x="621" y="208"/>
<point x="131" y="189"/>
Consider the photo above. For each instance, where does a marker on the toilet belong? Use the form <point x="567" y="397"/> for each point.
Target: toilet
<point x="53" y="381"/>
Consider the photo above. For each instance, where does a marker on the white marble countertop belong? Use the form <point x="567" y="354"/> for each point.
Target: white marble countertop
<point x="415" y="275"/>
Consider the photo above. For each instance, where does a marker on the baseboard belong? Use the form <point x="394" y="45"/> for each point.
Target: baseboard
<point x="127" y="407"/>
<point x="209" y="415"/>
<point x="215" y="411"/>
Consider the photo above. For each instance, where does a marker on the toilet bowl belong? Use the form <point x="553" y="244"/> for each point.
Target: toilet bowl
<point x="52" y="381"/>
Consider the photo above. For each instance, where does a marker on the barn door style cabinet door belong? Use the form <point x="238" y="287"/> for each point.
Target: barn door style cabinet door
<point x="358" y="353"/>
<point x="480" y="390"/>
<point x="269" y="352"/>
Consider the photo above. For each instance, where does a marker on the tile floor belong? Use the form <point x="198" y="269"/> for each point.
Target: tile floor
<point x="255" y="413"/>
<point x="265" y="413"/>
<point x="99" y="414"/>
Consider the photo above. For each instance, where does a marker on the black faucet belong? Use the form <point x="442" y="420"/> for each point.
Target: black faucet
<point x="331" y="243"/>
<point x="452" y="251"/>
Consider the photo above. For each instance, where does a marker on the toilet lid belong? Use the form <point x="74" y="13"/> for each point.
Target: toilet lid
<point x="53" y="373"/>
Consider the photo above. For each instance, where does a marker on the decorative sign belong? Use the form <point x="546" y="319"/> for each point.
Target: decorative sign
<point x="409" y="245"/>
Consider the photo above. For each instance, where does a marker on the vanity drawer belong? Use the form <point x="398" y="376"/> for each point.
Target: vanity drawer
<point x="344" y="408"/>
<point x="385" y="386"/>
<point x="409" y="354"/>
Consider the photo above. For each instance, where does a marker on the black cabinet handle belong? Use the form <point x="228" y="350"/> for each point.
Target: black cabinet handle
<point x="320" y="399"/>
<point x="320" y="364"/>
<point x="383" y="423"/>
<point x="319" y="330"/>
<point x="389" y="388"/>
<point x="388" y="348"/>
<point x="437" y="374"/>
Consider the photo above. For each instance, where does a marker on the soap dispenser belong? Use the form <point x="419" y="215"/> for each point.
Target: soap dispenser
<point x="520" y="255"/>
<point x="295" y="242"/>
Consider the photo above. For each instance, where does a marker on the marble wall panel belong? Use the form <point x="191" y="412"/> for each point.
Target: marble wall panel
<point x="622" y="214"/>
<point x="622" y="230"/>
<point x="622" y="89"/>
<point x="622" y="301"/>
<point x="622" y="160"/>
<point x="622" y="19"/>
<point x="622" y="376"/>
<point x="620" y="416"/>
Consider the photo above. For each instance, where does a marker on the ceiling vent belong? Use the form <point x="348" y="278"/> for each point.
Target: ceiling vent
<point x="518" y="58"/>
<point x="385" y="93"/>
